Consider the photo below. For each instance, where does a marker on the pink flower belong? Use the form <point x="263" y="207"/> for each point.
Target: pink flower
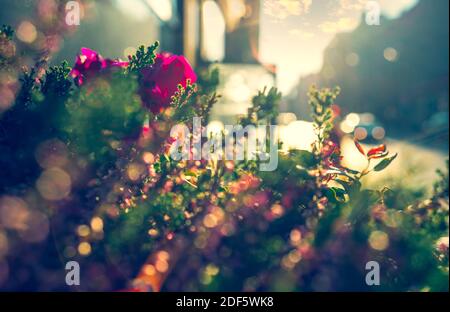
<point x="160" y="81"/>
<point x="90" y="64"/>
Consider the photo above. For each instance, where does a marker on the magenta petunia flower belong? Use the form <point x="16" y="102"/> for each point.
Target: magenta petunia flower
<point x="160" y="81"/>
<point x="90" y="63"/>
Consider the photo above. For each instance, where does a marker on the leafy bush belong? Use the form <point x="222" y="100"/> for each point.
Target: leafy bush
<point x="92" y="158"/>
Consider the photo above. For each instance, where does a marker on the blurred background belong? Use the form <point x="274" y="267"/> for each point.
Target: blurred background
<point x="394" y="76"/>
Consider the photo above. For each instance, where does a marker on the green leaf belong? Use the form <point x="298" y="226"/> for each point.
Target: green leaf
<point x="351" y="187"/>
<point x="384" y="163"/>
<point x="351" y="171"/>
<point x="143" y="57"/>
<point x="339" y="194"/>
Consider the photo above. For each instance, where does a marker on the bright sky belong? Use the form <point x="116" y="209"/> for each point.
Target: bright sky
<point x="295" y="33"/>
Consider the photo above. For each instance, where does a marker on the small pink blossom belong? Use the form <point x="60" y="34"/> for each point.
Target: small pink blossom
<point x="90" y="64"/>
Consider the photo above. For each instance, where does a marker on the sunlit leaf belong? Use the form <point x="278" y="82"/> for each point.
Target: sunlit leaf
<point x="384" y="163"/>
<point x="339" y="194"/>
<point x="360" y="148"/>
<point x="377" y="150"/>
<point x="378" y="156"/>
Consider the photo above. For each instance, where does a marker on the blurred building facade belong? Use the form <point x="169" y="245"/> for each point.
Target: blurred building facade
<point x="225" y="34"/>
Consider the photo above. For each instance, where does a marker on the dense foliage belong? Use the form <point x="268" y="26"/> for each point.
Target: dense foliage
<point x="87" y="176"/>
